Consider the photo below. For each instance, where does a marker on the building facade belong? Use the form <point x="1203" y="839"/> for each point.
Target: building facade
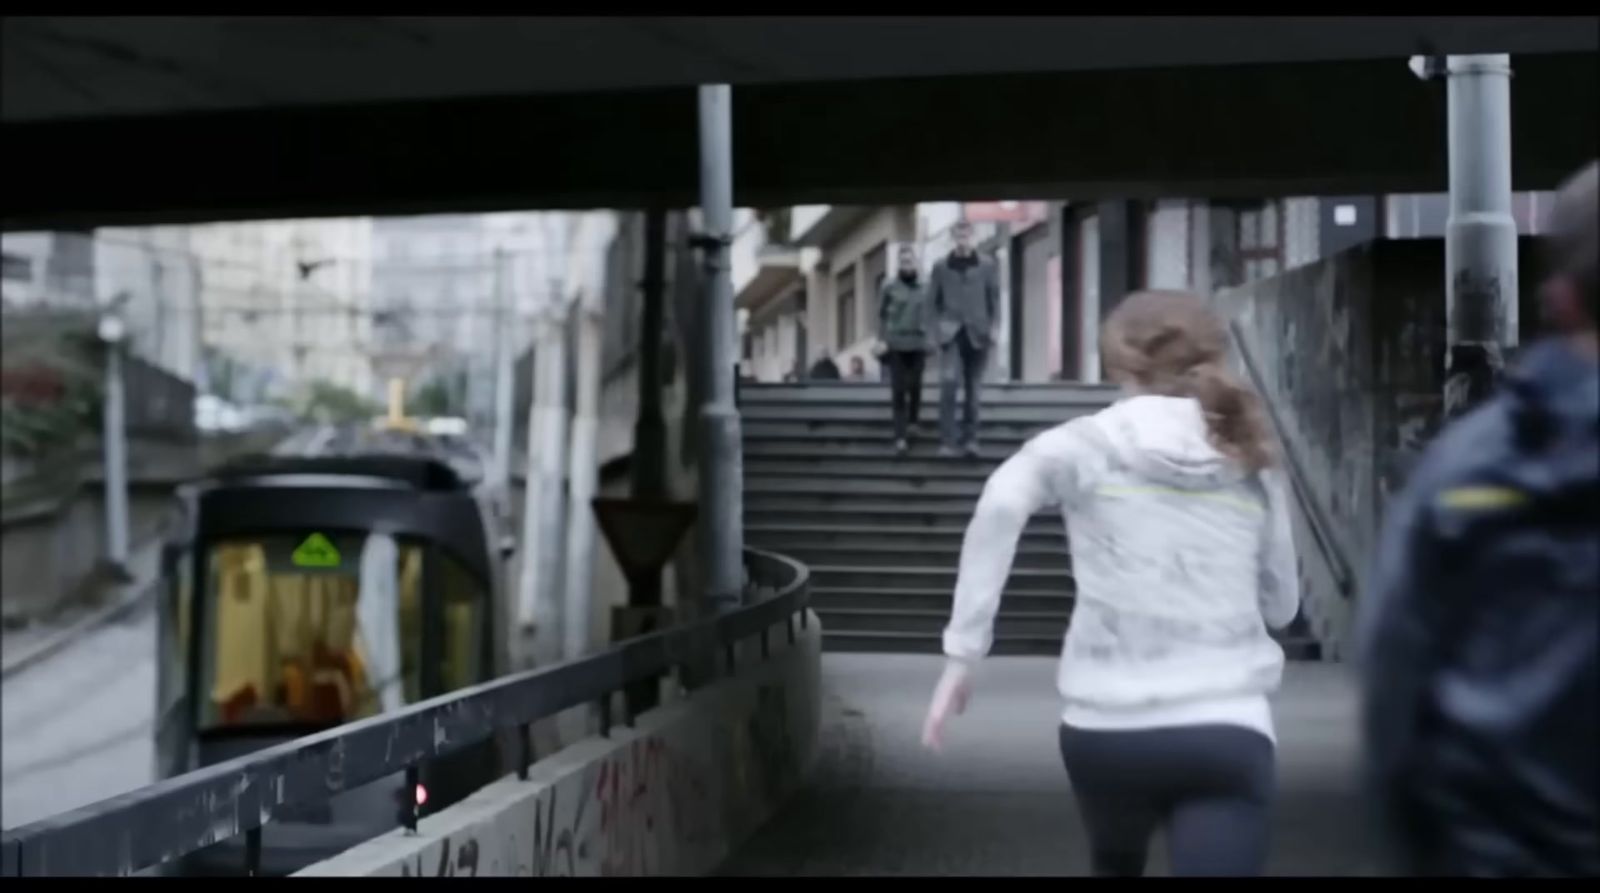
<point x="448" y="284"/>
<point x="1063" y="266"/>
<point x="288" y="299"/>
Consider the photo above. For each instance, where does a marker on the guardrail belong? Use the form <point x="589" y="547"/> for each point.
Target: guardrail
<point x="181" y="815"/>
<point x="1322" y="530"/>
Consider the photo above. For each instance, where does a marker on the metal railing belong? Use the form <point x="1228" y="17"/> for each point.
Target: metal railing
<point x="1322" y="530"/>
<point x="173" y="818"/>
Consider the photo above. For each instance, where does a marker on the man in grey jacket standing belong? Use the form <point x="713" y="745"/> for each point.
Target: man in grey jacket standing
<point x="964" y="289"/>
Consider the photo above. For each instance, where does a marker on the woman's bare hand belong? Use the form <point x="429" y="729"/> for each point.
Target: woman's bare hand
<point x="950" y="698"/>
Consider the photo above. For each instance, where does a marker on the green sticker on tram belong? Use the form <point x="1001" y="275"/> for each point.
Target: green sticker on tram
<point x="316" y="551"/>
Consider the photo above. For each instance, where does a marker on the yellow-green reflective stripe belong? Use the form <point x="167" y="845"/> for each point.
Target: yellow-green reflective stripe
<point x="1481" y="498"/>
<point x="1174" y="491"/>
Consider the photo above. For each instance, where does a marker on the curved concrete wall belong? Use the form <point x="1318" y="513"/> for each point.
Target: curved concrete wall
<point x="673" y="796"/>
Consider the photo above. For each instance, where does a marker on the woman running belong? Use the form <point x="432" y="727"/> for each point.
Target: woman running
<point x="1183" y="559"/>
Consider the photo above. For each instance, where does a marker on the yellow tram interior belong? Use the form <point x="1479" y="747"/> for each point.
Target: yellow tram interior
<point x="287" y="644"/>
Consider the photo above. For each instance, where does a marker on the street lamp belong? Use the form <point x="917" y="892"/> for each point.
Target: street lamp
<point x="113" y="436"/>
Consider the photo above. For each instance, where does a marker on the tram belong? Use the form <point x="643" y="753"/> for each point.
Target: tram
<point x="308" y="591"/>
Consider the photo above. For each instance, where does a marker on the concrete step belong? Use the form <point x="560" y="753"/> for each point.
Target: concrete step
<point x="781" y="508"/>
<point x="1295" y="649"/>
<point x="865" y="487"/>
<point x="1031" y="416"/>
<point x="889" y="468"/>
<point x="877" y="453"/>
<point x="938" y="600"/>
<point x="799" y="535"/>
<point x="930" y="643"/>
<point x="928" y="555"/>
<point x="877" y="433"/>
<point x="1029" y="579"/>
<point x="935" y="600"/>
<point x="993" y="394"/>
<point x="1017" y="623"/>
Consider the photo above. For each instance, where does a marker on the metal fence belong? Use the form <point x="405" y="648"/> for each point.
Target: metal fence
<point x="173" y="818"/>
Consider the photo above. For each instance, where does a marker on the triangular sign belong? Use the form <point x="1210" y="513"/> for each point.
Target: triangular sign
<point x="316" y="551"/>
<point x="642" y="534"/>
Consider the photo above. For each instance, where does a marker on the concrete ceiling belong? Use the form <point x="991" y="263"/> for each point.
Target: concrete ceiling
<point x="61" y="67"/>
<point x="148" y="120"/>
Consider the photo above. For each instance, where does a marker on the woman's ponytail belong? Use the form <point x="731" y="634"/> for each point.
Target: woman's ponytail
<point x="1233" y="414"/>
<point x="1170" y="342"/>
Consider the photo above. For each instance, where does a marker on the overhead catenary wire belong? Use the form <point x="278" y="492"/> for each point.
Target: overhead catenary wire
<point x="476" y="261"/>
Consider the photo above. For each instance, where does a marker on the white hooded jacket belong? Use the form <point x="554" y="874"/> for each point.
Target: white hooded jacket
<point x="1182" y="560"/>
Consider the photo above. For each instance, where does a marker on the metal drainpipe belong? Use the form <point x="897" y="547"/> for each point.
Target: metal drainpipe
<point x="1480" y="235"/>
<point x="505" y="362"/>
<point x="539" y="603"/>
<point x="584" y="473"/>
<point x="650" y="432"/>
<point x="721" y="469"/>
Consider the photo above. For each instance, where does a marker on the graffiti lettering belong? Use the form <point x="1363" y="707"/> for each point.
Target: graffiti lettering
<point x="557" y="846"/>
<point x="464" y="865"/>
<point x="645" y="794"/>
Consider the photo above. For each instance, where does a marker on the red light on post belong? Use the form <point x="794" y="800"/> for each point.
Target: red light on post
<point x="422" y="795"/>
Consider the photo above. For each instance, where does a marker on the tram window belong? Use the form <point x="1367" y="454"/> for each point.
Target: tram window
<point x="179" y="596"/>
<point x="285" y="636"/>
<point x="463" y="604"/>
<point x="288" y="643"/>
<point x="411" y="621"/>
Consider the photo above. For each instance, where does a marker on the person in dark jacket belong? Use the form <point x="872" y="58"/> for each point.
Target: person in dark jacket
<point x="903" y="333"/>
<point x="1480" y="633"/>
<point x="964" y="290"/>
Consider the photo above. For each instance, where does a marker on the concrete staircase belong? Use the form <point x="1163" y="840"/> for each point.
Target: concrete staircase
<point x="882" y="533"/>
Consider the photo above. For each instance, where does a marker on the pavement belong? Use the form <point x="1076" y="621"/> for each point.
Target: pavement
<point x="77" y="702"/>
<point x="997" y="801"/>
<point x="22" y="647"/>
<point x="77" y="727"/>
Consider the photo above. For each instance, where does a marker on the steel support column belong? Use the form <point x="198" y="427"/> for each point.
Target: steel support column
<point x="1480" y="235"/>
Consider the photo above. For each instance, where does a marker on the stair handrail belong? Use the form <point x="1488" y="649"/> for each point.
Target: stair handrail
<point x="1322" y="530"/>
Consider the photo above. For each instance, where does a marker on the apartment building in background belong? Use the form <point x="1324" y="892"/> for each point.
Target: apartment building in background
<point x="290" y="299"/>
<point x="811" y="289"/>
<point x="149" y="275"/>
<point x="447" y="284"/>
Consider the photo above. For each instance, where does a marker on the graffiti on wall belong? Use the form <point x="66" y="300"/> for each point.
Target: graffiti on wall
<point x="559" y="846"/>
<point x="464" y="863"/>
<point x="641" y="810"/>
<point x="667" y="801"/>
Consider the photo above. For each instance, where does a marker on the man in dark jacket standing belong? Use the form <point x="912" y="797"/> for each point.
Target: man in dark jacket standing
<point x="964" y="289"/>
<point x="1481" y="629"/>
<point x="903" y="331"/>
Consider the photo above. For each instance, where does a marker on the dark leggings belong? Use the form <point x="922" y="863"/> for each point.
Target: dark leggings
<point x="1210" y="787"/>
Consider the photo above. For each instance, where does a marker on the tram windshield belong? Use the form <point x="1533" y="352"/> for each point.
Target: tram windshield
<point x="321" y="628"/>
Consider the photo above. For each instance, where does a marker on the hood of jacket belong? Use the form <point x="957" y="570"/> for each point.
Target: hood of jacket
<point x="1553" y="395"/>
<point x="1165" y="440"/>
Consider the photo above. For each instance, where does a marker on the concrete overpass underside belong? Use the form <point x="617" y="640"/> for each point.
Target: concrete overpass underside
<point x="1339" y="115"/>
